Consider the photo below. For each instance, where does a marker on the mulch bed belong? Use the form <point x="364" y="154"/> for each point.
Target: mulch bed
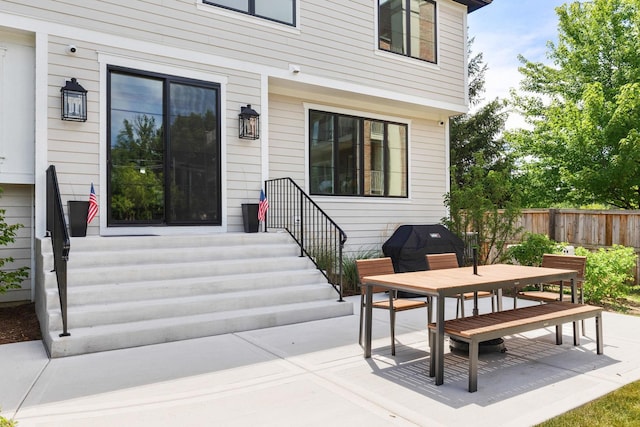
<point x="623" y="305"/>
<point x="18" y="322"/>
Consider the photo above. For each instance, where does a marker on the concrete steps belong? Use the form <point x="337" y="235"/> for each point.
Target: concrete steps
<point x="109" y="337"/>
<point x="140" y="290"/>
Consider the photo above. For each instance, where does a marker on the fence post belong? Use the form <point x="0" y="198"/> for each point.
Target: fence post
<point x="552" y="224"/>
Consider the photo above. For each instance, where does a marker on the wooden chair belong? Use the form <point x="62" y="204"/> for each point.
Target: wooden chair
<point x="377" y="266"/>
<point x="450" y="260"/>
<point x="550" y="292"/>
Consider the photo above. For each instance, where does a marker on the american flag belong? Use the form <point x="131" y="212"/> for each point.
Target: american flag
<point x="93" y="205"/>
<point x="262" y="206"/>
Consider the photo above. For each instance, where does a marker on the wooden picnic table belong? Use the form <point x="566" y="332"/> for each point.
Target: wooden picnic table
<point x="451" y="282"/>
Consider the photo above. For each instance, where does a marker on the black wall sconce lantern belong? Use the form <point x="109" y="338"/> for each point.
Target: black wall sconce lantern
<point x="73" y="101"/>
<point x="249" y="123"/>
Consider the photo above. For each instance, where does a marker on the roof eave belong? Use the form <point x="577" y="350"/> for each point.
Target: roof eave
<point x="473" y="4"/>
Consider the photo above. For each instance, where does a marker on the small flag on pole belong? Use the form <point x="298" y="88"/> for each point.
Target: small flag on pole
<point x="93" y="205"/>
<point x="262" y="206"/>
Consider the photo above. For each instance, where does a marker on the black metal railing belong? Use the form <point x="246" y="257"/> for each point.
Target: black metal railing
<point x="57" y="229"/>
<point x="318" y="236"/>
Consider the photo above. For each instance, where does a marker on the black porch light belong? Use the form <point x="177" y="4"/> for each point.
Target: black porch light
<point x="249" y="123"/>
<point x="73" y="101"/>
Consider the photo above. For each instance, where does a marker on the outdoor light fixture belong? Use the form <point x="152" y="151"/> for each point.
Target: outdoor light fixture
<point x="73" y="101"/>
<point x="249" y="123"/>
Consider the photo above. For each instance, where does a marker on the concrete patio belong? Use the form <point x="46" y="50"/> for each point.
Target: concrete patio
<point x="314" y="374"/>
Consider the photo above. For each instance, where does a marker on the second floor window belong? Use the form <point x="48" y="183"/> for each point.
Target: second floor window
<point x="408" y="27"/>
<point x="275" y="10"/>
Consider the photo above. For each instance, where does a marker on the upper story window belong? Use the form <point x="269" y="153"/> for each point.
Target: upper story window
<point x="283" y="11"/>
<point x="356" y="156"/>
<point x="408" y="27"/>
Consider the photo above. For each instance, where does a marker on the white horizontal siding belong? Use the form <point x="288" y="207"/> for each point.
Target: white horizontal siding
<point x="357" y="62"/>
<point x="75" y="148"/>
<point x="243" y="157"/>
<point x="286" y="139"/>
<point x="368" y="222"/>
<point x="17" y="202"/>
<point x="334" y="40"/>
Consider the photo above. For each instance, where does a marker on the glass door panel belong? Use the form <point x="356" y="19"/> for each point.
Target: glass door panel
<point x="193" y="155"/>
<point x="136" y="154"/>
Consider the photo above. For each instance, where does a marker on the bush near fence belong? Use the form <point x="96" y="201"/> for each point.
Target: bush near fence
<point x="591" y="229"/>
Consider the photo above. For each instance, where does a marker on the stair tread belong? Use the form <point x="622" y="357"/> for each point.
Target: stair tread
<point x="253" y="293"/>
<point x="102" y="250"/>
<point x="161" y="271"/>
<point x="120" y="328"/>
<point x="115" y="243"/>
<point x="173" y="256"/>
<point x="193" y="280"/>
<point x="151" y="266"/>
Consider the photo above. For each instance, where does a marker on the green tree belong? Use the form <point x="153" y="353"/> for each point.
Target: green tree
<point x="478" y="133"/>
<point x="488" y="206"/>
<point x="584" y="109"/>
<point x="483" y="197"/>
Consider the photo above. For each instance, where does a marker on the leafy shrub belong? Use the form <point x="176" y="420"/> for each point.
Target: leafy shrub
<point x="7" y="423"/>
<point x="350" y="272"/>
<point x="531" y="249"/>
<point x="324" y="258"/>
<point x="607" y="273"/>
<point x="9" y="279"/>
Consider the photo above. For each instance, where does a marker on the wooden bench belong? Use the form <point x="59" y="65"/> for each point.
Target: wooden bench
<point x="476" y="329"/>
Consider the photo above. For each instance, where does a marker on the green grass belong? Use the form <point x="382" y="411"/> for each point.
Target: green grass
<point x="619" y="408"/>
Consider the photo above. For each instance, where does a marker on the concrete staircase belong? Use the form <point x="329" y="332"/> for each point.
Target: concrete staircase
<point x="140" y="290"/>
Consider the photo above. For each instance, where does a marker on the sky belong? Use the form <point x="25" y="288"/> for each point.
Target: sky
<point x="503" y="30"/>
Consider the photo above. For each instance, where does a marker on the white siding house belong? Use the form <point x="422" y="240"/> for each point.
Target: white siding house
<point x="305" y="66"/>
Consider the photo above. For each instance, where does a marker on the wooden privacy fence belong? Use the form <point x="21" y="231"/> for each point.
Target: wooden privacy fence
<point x="591" y="229"/>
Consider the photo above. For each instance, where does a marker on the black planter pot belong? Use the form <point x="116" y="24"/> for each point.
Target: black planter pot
<point x="78" y="211"/>
<point x="250" y="217"/>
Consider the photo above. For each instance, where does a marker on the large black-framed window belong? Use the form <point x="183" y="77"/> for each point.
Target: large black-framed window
<point x="408" y="27"/>
<point x="357" y="156"/>
<point x="283" y="11"/>
<point x="163" y="154"/>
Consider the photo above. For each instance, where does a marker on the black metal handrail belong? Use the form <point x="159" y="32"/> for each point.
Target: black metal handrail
<point x="318" y="236"/>
<point x="57" y="229"/>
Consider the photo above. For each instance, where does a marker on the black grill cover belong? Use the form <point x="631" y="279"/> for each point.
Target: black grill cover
<point x="409" y="244"/>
